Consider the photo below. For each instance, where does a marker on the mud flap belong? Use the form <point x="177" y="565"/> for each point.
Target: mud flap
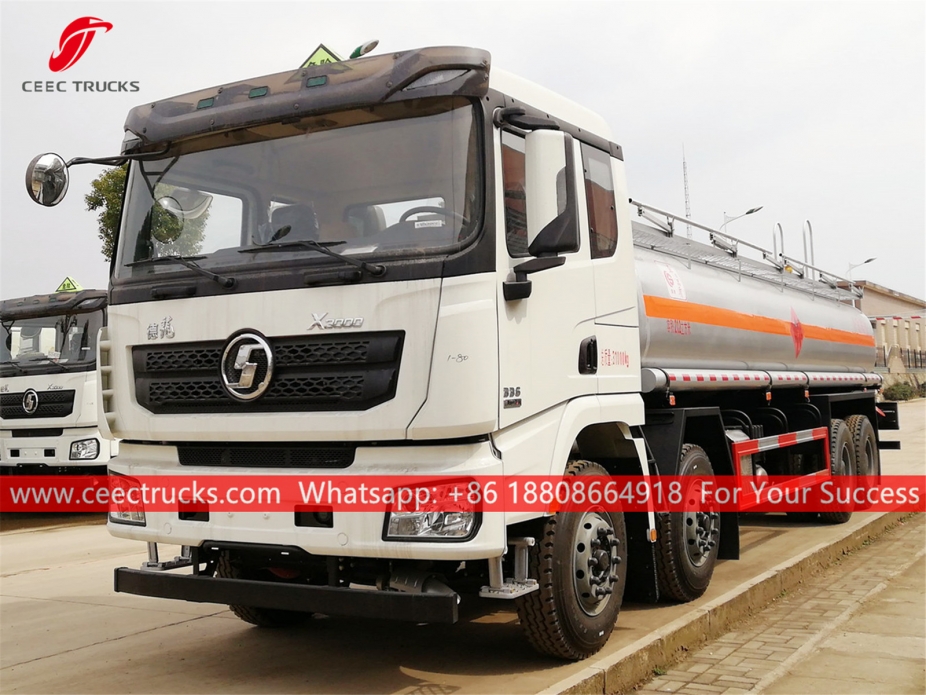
<point x="642" y="586"/>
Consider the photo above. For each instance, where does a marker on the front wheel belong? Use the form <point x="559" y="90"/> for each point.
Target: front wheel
<point x="686" y="545"/>
<point x="227" y="568"/>
<point x="579" y="561"/>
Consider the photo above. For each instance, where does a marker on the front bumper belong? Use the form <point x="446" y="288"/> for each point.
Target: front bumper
<point x="352" y="534"/>
<point x="391" y="605"/>
<point x="32" y="454"/>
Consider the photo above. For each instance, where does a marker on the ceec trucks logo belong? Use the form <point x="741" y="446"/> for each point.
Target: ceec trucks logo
<point x="74" y="42"/>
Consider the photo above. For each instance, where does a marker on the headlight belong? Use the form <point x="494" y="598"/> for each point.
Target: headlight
<point x="126" y="501"/>
<point x="85" y="450"/>
<point x="127" y="516"/>
<point x="424" y="525"/>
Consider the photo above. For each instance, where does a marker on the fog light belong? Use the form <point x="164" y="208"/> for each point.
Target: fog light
<point x="85" y="450"/>
<point x="430" y="525"/>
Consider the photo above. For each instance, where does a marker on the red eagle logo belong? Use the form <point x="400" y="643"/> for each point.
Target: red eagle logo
<point x="75" y="40"/>
<point x="797" y="333"/>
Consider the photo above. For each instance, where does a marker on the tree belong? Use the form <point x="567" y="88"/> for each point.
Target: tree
<point x="106" y="196"/>
<point x="170" y="233"/>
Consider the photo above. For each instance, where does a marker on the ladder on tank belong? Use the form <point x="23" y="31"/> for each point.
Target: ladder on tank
<point x="724" y="252"/>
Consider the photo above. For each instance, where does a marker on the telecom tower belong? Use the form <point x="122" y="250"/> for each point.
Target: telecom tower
<point x="687" y="201"/>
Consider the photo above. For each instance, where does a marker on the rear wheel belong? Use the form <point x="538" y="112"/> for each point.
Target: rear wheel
<point x="686" y="547"/>
<point x="865" y="445"/>
<point x="842" y="464"/>
<point x="580" y="563"/>
<point x="227" y="568"/>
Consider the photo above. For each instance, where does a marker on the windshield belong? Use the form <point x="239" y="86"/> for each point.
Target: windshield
<point x="381" y="182"/>
<point x="49" y="343"/>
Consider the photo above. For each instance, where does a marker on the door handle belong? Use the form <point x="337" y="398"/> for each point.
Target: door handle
<point x="588" y="356"/>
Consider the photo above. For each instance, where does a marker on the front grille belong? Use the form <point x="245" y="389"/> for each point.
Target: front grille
<point x="311" y="373"/>
<point x="266" y="455"/>
<point x="43" y="432"/>
<point x="51" y="404"/>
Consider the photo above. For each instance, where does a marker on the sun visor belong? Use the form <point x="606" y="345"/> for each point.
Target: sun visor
<point x="312" y="90"/>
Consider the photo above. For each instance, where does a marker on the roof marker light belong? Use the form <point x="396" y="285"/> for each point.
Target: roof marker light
<point x="434" y="78"/>
<point x="205" y="103"/>
<point x="316" y="81"/>
<point x="364" y="48"/>
<point x="258" y="92"/>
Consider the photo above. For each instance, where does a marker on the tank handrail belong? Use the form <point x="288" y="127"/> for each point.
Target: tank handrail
<point x="734" y="241"/>
<point x="786" y="261"/>
<point x="808" y="230"/>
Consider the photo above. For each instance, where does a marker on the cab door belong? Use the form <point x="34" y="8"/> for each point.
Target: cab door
<point x="547" y="350"/>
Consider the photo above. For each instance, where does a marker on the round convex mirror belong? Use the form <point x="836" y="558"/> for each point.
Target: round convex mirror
<point x="47" y="179"/>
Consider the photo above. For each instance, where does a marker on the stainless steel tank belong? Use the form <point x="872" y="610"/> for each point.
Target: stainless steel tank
<point x="696" y="314"/>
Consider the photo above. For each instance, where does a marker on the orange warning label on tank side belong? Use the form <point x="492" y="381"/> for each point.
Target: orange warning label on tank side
<point x="664" y="308"/>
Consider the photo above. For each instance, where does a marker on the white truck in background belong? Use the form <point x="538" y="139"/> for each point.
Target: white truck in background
<point x="48" y="384"/>
<point x="418" y="263"/>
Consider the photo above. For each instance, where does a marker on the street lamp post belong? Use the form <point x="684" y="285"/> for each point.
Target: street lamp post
<point x="853" y="266"/>
<point x="727" y="220"/>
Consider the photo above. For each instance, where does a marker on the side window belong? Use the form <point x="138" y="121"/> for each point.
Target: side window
<point x="599" y="193"/>
<point x="515" y="203"/>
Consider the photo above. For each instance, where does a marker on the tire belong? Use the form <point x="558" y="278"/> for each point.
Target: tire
<point x="579" y="561"/>
<point x="687" y="542"/>
<point x="262" y="617"/>
<point x="865" y="446"/>
<point x="842" y="463"/>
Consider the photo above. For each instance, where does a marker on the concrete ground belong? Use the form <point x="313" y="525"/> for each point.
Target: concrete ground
<point x="63" y="630"/>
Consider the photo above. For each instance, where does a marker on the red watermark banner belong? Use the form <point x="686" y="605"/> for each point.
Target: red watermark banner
<point x="377" y="493"/>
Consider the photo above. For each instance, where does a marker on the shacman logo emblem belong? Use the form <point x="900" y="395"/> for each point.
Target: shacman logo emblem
<point x="74" y="42"/>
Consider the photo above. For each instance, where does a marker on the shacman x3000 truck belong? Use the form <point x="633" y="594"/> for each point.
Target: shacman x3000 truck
<point x="48" y="389"/>
<point x="415" y="263"/>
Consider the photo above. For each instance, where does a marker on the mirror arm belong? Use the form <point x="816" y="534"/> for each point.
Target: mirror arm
<point x="117" y="160"/>
<point x="520" y="287"/>
<point x="518" y="117"/>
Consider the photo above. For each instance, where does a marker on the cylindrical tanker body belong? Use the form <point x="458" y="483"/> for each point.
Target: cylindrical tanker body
<point x="709" y="317"/>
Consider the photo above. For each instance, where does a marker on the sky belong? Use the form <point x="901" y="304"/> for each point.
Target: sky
<point x="812" y="110"/>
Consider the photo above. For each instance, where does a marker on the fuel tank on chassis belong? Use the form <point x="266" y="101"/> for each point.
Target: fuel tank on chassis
<point x="705" y="317"/>
<point x="344" y="382"/>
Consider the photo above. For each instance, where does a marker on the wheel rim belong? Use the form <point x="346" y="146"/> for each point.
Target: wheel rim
<point x="596" y="555"/>
<point x="701" y="529"/>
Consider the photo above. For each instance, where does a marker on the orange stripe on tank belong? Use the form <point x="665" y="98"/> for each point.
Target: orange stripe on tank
<point x="663" y="308"/>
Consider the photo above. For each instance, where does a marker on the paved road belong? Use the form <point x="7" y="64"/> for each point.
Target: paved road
<point x="858" y="627"/>
<point x="62" y="629"/>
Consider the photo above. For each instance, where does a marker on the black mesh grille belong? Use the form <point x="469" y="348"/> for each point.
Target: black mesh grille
<point x="51" y="404"/>
<point x="266" y="455"/>
<point x="310" y="373"/>
<point x="185" y="360"/>
<point x="44" y="432"/>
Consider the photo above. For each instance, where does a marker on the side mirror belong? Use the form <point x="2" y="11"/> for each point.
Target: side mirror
<point x="550" y="190"/>
<point x="47" y="179"/>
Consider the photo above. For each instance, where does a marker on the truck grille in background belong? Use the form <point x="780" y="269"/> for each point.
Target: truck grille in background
<point x="44" y="432"/>
<point x="266" y="455"/>
<point x="51" y="404"/>
<point x="311" y="373"/>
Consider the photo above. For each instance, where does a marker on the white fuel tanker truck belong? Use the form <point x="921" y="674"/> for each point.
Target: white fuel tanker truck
<point x="415" y="263"/>
<point x="48" y="391"/>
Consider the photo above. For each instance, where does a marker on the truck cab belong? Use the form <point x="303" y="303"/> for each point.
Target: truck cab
<point x="48" y="393"/>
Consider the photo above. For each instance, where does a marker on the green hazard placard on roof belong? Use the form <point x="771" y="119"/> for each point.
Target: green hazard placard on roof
<point x="68" y="285"/>
<point x="321" y="56"/>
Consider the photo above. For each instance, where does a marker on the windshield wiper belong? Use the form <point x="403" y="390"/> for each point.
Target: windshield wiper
<point x="41" y="360"/>
<point x="11" y="363"/>
<point x="189" y="262"/>
<point x="375" y="269"/>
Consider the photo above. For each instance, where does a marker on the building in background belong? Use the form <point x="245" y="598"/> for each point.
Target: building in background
<point x="899" y="323"/>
